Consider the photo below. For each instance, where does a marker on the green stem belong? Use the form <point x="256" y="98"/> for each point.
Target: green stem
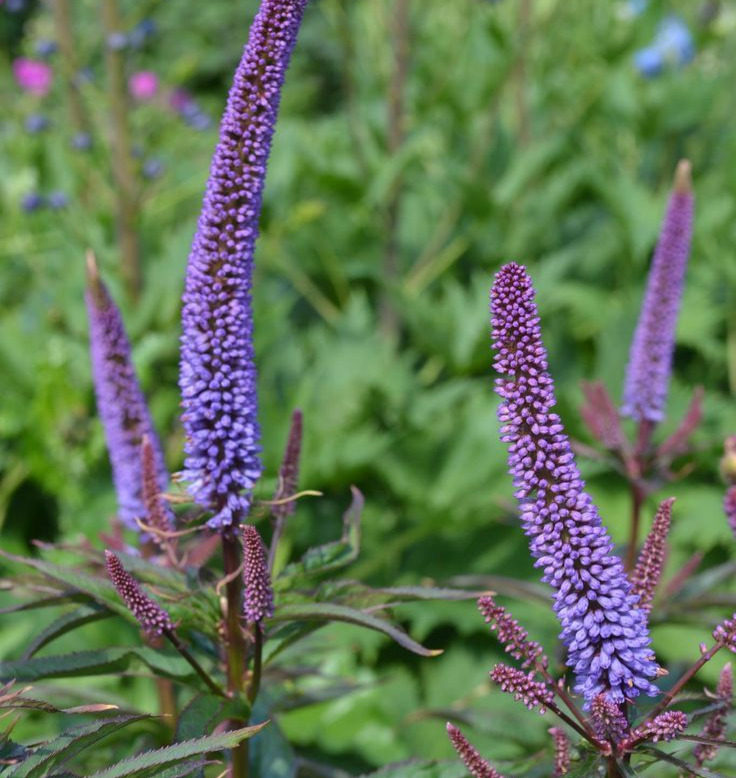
<point x="122" y="158"/>
<point x="255" y="679"/>
<point x="61" y="10"/>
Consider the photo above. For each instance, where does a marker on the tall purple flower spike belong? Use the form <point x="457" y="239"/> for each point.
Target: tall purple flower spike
<point x="120" y="401"/>
<point x="650" y="358"/>
<point x="217" y="370"/>
<point x="606" y="634"/>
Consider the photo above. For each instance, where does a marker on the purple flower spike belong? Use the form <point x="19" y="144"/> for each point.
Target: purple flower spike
<point x="473" y="761"/>
<point x="289" y="471"/>
<point x="158" y="513"/>
<point x="715" y="726"/>
<point x="120" y="401"/>
<point x="217" y="372"/>
<point x="151" y="616"/>
<point x="608" y="720"/>
<point x="523" y="686"/>
<point x="667" y="726"/>
<point x="606" y="634"/>
<point x="650" y="358"/>
<point x="648" y="570"/>
<point x="562" y="751"/>
<point x="513" y="637"/>
<point x="257" y="594"/>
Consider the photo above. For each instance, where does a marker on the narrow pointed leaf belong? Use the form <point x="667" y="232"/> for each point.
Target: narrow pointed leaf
<point x="111" y="660"/>
<point x="67" y="745"/>
<point x="166" y="757"/>
<point x="84" y="614"/>
<point x="198" y="717"/>
<point x="328" y="612"/>
<point x="419" y="768"/>
<point x="702" y="772"/>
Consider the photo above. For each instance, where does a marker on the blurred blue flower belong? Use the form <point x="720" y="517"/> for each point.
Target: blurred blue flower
<point x="198" y="121"/>
<point x="36" y="123"/>
<point x="675" y="41"/>
<point x="81" y="141"/>
<point x="673" y="46"/>
<point x="58" y="200"/>
<point x="15" y="5"/>
<point x="32" y="202"/>
<point x="637" y="7"/>
<point x="649" y="61"/>
<point x="84" y="76"/>
<point x="152" y="168"/>
<point x="117" y="41"/>
<point x="144" y="30"/>
<point x="45" y="47"/>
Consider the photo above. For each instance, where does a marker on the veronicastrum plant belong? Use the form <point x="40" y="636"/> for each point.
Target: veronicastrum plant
<point x="223" y="643"/>
<point x="620" y="706"/>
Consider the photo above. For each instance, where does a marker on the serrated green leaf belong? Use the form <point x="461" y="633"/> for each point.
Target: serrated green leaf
<point x="69" y="744"/>
<point x="196" y="717"/>
<point x="330" y="612"/>
<point x="164" y="757"/>
<point x="85" y="614"/>
<point x="110" y="660"/>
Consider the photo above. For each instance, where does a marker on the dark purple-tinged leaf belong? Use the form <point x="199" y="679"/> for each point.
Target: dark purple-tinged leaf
<point x="688" y="769"/>
<point x="271" y="753"/>
<point x="708" y="741"/>
<point x="150" y="762"/>
<point x="511" y="587"/>
<point x="678" y="442"/>
<point x="327" y="612"/>
<point x="198" y="717"/>
<point x="67" y="745"/>
<point x="329" y="556"/>
<point x="110" y="660"/>
<point x="84" y="614"/>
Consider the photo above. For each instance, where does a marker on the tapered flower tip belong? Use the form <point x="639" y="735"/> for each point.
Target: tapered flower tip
<point x="258" y="594"/>
<point x="469" y="756"/>
<point x="683" y="182"/>
<point x="98" y="293"/>
<point x="151" y="616"/>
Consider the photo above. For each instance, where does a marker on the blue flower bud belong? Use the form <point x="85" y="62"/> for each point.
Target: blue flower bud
<point x="117" y="41"/>
<point x="152" y="168"/>
<point x="45" y="48"/>
<point x="82" y="141"/>
<point x="58" y="200"/>
<point x="32" y="201"/>
<point x="649" y="62"/>
<point x="36" y="123"/>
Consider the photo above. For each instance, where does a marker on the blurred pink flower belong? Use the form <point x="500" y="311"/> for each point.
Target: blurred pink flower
<point x="143" y="85"/>
<point x="32" y="76"/>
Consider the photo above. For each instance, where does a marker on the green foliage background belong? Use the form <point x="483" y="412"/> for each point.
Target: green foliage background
<point x="533" y="140"/>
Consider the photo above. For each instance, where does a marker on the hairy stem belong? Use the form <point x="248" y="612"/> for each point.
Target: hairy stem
<point x="235" y="644"/>
<point x="122" y="159"/>
<point x="198" y="669"/>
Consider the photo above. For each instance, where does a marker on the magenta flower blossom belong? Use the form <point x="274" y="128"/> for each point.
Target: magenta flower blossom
<point x="650" y="358"/>
<point x="257" y="591"/>
<point x="473" y="761"/>
<point x="32" y="76"/>
<point x="648" y="571"/>
<point x="120" y="401"/>
<point x="606" y="634"/>
<point x="217" y="371"/>
<point x="151" y="616"/>
<point x="143" y="85"/>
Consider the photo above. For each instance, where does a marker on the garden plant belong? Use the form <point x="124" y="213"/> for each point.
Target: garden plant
<point x="197" y="631"/>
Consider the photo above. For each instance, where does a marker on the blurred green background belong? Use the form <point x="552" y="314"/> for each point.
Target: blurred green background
<point x="412" y="157"/>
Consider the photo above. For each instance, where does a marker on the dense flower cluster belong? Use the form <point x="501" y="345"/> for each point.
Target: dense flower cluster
<point x="120" y="401"/>
<point x="218" y="374"/>
<point x="476" y="765"/>
<point x="257" y="593"/>
<point x="648" y="570"/>
<point x="609" y="722"/>
<point x="513" y="637"/>
<point x="523" y="686"/>
<point x="151" y="616"/>
<point x="666" y="726"/>
<point x="650" y="358"/>
<point x="605" y="632"/>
